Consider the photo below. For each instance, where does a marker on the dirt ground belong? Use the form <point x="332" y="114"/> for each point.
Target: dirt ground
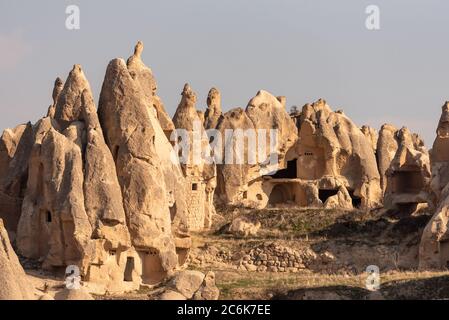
<point x="320" y="254"/>
<point x="350" y="240"/>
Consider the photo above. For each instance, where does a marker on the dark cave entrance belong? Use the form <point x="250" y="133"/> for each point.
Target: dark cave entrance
<point x="325" y="194"/>
<point x="288" y="173"/>
<point x="356" y="201"/>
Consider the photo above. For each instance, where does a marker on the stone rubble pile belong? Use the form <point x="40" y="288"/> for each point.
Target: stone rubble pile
<point x="274" y="257"/>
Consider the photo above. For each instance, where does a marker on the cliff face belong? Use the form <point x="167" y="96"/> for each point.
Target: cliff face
<point x="434" y="246"/>
<point x="125" y="117"/>
<point x="323" y="158"/>
<point x="332" y="149"/>
<point x="200" y="172"/>
<point x="407" y="177"/>
<point x="12" y="277"/>
<point x="102" y="191"/>
<point x="105" y="190"/>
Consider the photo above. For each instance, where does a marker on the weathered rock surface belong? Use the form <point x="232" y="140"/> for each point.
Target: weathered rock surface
<point x="124" y="112"/>
<point x="251" y="150"/>
<point x="372" y="135"/>
<point x="15" y="149"/>
<point x="189" y="284"/>
<point x="341" y="200"/>
<point x="440" y="154"/>
<point x="144" y="77"/>
<point x="233" y="177"/>
<point x="72" y="212"/>
<point x="330" y="158"/>
<point x="208" y="290"/>
<point x="14" y="285"/>
<point x="408" y="175"/>
<point x="199" y="171"/>
<point x="213" y="111"/>
<point x="387" y="146"/>
<point x="243" y="227"/>
<point x="79" y="197"/>
<point x="268" y="112"/>
<point x="434" y="246"/>
<point x="163" y="127"/>
<point x="331" y="145"/>
<point x="105" y="191"/>
<point x="54" y="224"/>
<point x="57" y="89"/>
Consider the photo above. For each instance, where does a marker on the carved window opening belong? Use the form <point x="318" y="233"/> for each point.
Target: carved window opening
<point x="128" y="276"/>
<point x="48" y="217"/>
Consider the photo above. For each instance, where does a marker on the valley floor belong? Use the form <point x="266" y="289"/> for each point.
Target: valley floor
<point x="313" y="254"/>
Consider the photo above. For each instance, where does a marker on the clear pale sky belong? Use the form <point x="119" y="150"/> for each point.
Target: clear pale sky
<point x="301" y="49"/>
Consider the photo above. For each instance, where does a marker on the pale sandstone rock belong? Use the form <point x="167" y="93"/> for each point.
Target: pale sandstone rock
<point x="15" y="149"/>
<point x="200" y="173"/>
<point x="126" y="122"/>
<point x="387" y="146"/>
<point x="268" y="112"/>
<point x="240" y="178"/>
<point x="232" y="177"/>
<point x="14" y="284"/>
<point x="175" y="184"/>
<point x="9" y="141"/>
<point x="72" y="212"/>
<point x="213" y="111"/>
<point x="440" y="155"/>
<point x="187" y="282"/>
<point x="69" y="105"/>
<point x="165" y="121"/>
<point x="54" y="224"/>
<point x="408" y="176"/>
<point x="186" y="114"/>
<point x="371" y="134"/>
<point x="331" y="152"/>
<point x="312" y="195"/>
<point x="143" y="75"/>
<point x="200" y="115"/>
<point x="330" y="145"/>
<point x="434" y="246"/>
<point x="341" y="200"/>
<point x="208" y="290"/>
<point x="327" y="152"/>
<point x="57" y="89"/>
<point x="191" y="285"/>
<point x="244" y="228"/>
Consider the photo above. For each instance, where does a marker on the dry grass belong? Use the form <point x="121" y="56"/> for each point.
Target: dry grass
<point x="253" y="285"/>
